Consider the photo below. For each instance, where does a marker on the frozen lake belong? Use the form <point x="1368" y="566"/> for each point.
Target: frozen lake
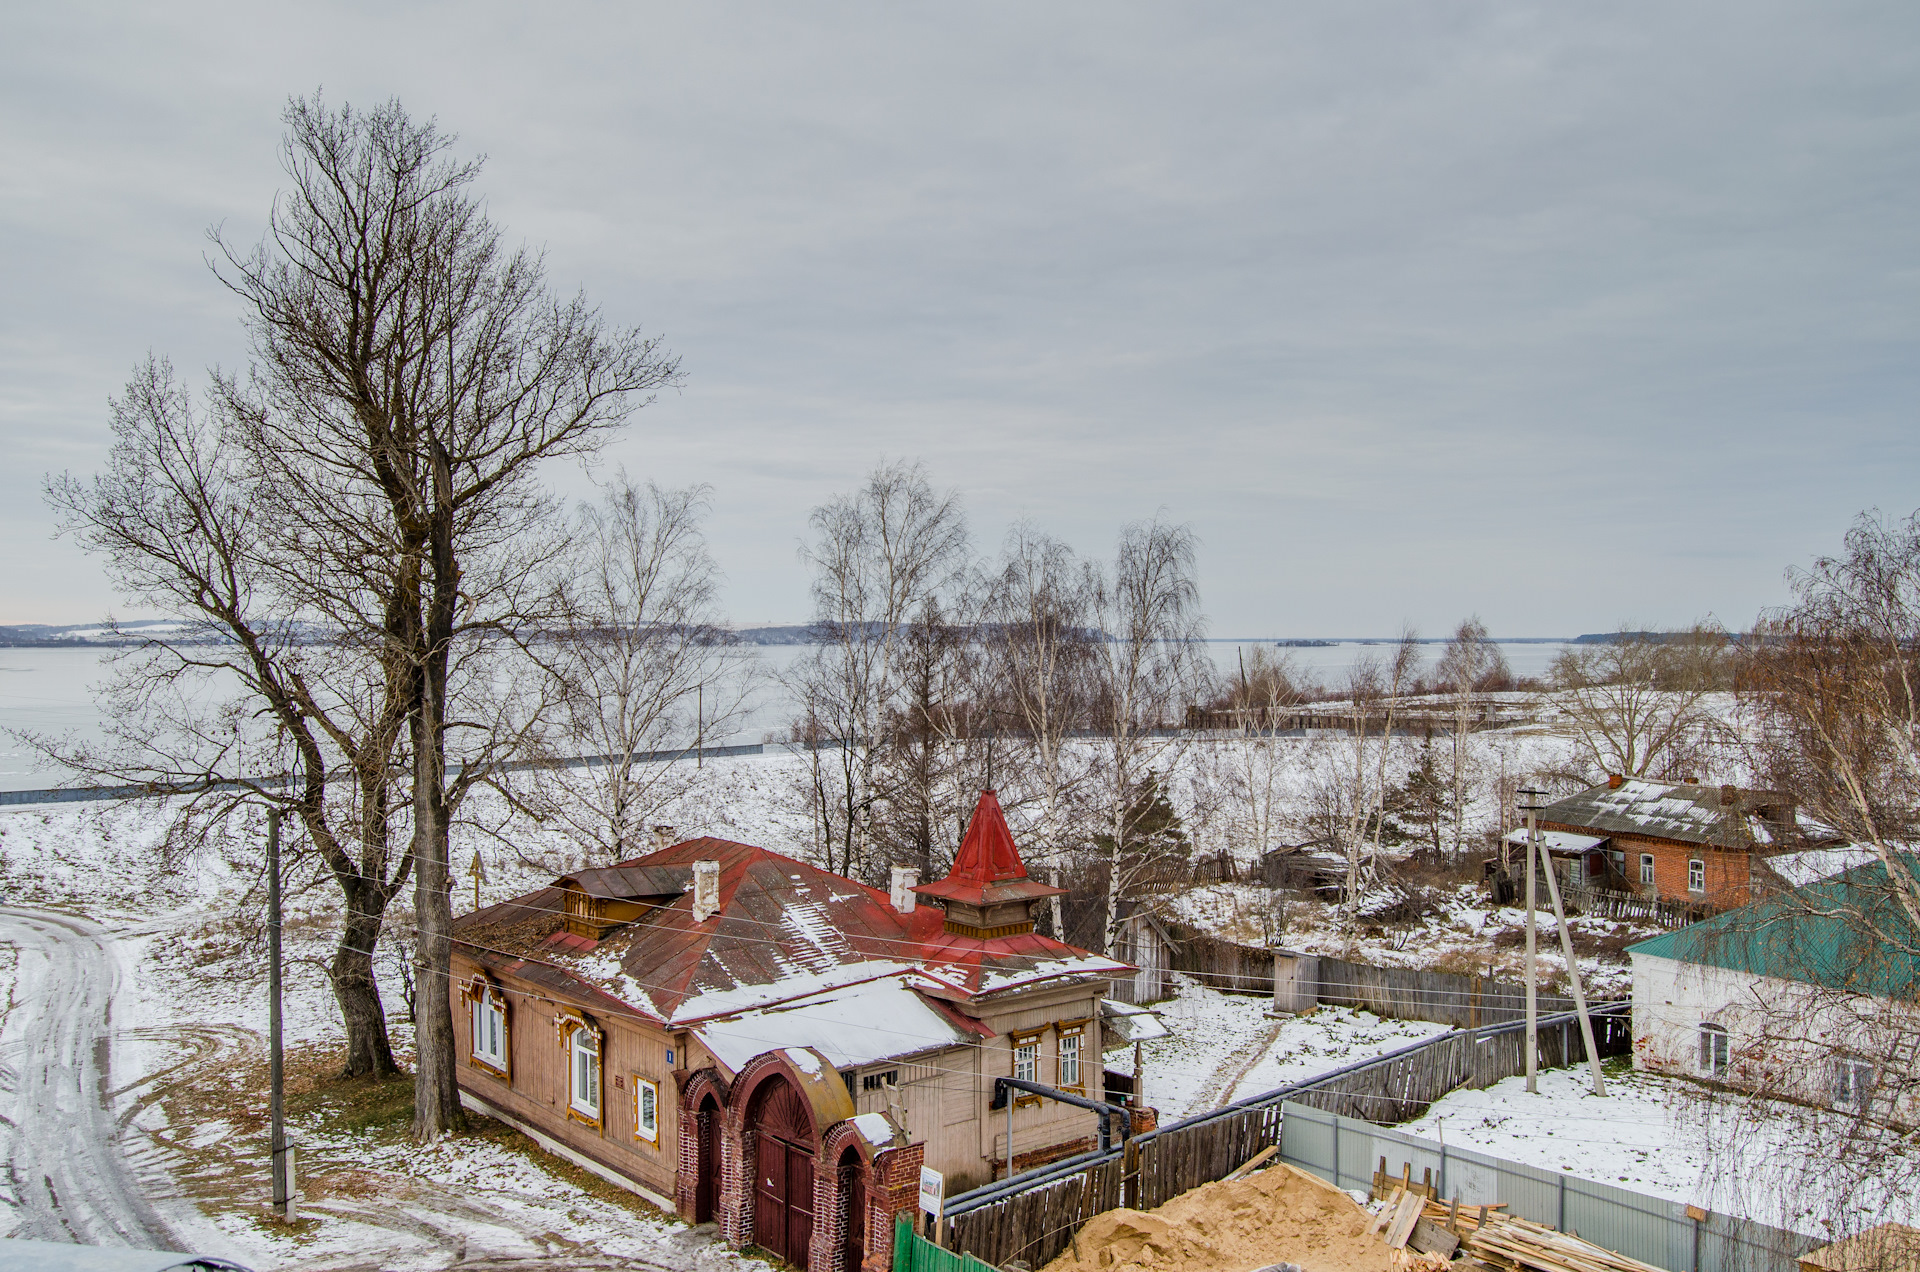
<point x="50" y="691"/>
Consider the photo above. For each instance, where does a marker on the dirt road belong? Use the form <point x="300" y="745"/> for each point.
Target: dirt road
<point x="66" y="1175"/>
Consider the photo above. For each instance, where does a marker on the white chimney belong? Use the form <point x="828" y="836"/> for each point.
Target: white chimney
<point x="706" y="890"/>
<point x="904" y="880"/>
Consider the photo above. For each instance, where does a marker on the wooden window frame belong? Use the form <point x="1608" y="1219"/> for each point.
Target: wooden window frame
<point x="1647" y="868"/>
<point x="572" y="1026"/>
<point x="1701" y="888"/>
<point x="640" y="1129"/>
<point x="1018" y="1039"/>
<point x="1077" y="1030"/>
<point x="483" y="995"/>
<point x="1849" y="1092"/>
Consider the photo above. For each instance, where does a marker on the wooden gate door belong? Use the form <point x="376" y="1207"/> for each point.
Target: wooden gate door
<point x="783" y="1182"/>
<point x="853" y="1187"/>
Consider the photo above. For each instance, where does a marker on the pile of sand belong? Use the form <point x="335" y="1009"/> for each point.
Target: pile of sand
<point x="1280" y="1215"/>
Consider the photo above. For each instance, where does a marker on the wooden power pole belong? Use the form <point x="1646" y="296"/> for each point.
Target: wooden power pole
<point x="1533" y="976"/>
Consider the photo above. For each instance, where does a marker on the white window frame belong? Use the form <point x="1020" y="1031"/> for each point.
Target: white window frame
<point x="1026" y="1058"/>
<point x="646" y="1109"/>
<point x="1071" y="1063"/>
<point x="1696" y="874"/>
<point x="584" y="1095"/>
<point x="1853" y="1080"/>
<point x="1646" y="867"/>
<point x="1716" y="1050"/>
<point x="488" y="1021"/>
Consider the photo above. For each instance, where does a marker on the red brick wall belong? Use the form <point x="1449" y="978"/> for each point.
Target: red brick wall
<point x="893" y="1189"/>
<point x="1728" y="879"/>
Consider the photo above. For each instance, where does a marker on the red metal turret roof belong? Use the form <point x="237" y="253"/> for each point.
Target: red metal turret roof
<point x="987" y="870"/>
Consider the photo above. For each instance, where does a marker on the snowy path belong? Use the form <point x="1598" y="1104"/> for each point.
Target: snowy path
<point x="67" y="1176"/>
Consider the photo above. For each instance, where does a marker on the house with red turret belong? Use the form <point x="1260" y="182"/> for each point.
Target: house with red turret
<point x="745" y="1038"/>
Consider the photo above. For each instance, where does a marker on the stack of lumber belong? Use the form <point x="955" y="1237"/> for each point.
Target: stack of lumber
<point x="1512" y="1244"/>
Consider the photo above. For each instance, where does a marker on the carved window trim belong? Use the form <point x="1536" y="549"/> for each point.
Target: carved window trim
<point x="584" y="1041"/>
<point x="486" y="1004"/>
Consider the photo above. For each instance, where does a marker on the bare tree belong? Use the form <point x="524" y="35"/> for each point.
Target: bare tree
<point x="644" y="665"/>
<point x="877" y="556"/>
<point x="246" y="704"/>
<point x="1040" y="622"/>
<point x="1638" y="705"/>
<point x="1264" y="690"/>
<point x="411" y="376"/>
<point x="1469" y="665"/>
<point x="1147" y="670"/>
<point x="1833" y="682"/>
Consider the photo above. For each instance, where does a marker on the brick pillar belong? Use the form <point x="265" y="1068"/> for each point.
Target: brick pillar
<point x="686" y="1177"/>
<point x="736" y="1185"/>
<point x="893" y="1188"/>
<point x="830" y="1218"/>
<point x="1144" y="1120"/>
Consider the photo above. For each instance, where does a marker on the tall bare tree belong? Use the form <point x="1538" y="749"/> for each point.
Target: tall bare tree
<point x="1468" y="667"/>
<point x="1040" y="626"/>
<point x="248" y="703"/>
<point x="1637" y="704"/>
<point x="1148" y="669"/>
<point x="411" y="376"/>
<point x="643" y="661"/>
<point x="877" y="556"/>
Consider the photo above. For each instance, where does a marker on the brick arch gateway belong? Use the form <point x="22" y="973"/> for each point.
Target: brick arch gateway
<point x="788" y="1169"/>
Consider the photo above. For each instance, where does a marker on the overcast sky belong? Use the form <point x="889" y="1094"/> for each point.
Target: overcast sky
<point x="1566" y="315"/>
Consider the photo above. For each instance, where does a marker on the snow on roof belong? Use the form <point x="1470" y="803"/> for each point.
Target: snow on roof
<point x="1559" y="840"/>
<point x="1797" y="869"/>
<point x="875" y="1129"/>
<point x="1129" y="1023"/>
<point x="852" y="1026"/>
<point x="1724" y="816"/>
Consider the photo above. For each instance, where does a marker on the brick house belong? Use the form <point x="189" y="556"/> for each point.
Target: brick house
<point x="1700" y="845"/>
<point x="745" y="1038"/>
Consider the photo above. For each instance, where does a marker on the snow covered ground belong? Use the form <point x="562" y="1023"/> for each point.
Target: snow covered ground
<point x="1656" y="1135"/>
<point x="1225" y="1047"/>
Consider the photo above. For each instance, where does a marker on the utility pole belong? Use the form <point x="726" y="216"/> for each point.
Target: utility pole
<point x="1533" y="980"/>
<point x="281" y="1163"/>
<point x="1573" y="973"/>
<point x="700" y="724"/>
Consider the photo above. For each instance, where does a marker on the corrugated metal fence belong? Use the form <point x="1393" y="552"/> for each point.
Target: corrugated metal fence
<point x="1347" y="1151"/>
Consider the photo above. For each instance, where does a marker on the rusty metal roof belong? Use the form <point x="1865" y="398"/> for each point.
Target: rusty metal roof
<point x="987" y="870"/>
<point x="784" y="929"/>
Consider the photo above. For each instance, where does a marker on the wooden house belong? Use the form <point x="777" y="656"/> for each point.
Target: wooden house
<point x="743" y="1037"/>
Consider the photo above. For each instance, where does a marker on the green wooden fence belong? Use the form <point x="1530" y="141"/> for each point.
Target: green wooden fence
<point x="914" y="1253"/>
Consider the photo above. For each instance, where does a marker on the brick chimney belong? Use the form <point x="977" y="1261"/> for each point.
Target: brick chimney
<point x="662" y="837"/>
<point x="905" y="879"/>
<point x="1729" y="794"/>
<point x="706" y="890"/>
<point x="1615" y="781"/>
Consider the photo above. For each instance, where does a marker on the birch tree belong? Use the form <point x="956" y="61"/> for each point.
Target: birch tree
<point x="1148" y="668"/>
<point x="643" y="663"/>
<point x="877" y="555"/>
<point x="1637" y="704"/>
<point x="1040" y="627"/>
<point x="1468" y="666"/>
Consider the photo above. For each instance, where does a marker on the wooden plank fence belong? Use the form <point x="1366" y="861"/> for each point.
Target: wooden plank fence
<point x="1037" y="1222"/>
<point x="1622" y="905"/>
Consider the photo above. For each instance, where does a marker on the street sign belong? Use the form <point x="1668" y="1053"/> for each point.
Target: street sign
<point x="933" y="1190"/>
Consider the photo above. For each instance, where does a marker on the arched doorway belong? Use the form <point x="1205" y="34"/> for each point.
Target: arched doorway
<point x="706" y="1189"/>
<point x="853" y="1192"/>
<point x="783" y="1181"/>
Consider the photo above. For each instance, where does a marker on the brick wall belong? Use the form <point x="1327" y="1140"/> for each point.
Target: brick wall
<point x="1728" y="880"/>
<point x="893" y="1188"/>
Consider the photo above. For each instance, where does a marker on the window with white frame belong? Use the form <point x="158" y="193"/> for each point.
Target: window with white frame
<point x="1696" y="875"/>
<point x="1646" y="867"/>
<point x="1072" y="1039"/>
<point x="1026" y="1057"/>
<point x="583" y="1071"/>
<point x="1852" y="1082"/>
<point x="646" y="1109"/>
<point x="489" y="1025"/>
<point x="1714" y="1051"/>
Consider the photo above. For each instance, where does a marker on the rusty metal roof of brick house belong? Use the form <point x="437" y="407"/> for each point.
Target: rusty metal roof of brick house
<point x="1722" y="816"/>
<point x="784" y="929"/>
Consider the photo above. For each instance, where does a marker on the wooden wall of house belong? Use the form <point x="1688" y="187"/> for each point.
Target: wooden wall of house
<point x="944" y="1095"/>
<point x="536" y="1091"/>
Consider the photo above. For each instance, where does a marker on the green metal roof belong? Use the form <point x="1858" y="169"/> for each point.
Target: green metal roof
<point x="1848" y="932"/>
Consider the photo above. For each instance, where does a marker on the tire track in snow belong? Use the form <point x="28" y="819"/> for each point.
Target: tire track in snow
<point x="67" y="1175"/>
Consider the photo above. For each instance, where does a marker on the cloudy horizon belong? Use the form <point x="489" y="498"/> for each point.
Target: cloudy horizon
<point x="1565" y="317"/>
